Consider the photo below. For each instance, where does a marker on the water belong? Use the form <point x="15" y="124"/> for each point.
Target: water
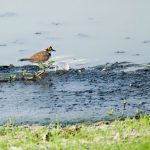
<point x="84" y="33"/>
<point x="77" y="95"/>
<point x="91" y="30"/>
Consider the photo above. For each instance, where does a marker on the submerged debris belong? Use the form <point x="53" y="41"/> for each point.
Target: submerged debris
<point x="146" y="42"/>
<point x="3" y="44"/>
<point x="120" y="52"/>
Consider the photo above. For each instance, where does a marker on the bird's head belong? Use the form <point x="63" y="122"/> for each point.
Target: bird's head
<point x="49" y="49"/>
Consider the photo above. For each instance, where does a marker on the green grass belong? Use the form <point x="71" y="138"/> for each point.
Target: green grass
<point x="130" y="134"/>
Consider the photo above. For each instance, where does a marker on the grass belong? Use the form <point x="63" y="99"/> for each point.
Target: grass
<point x="130" y="134"/>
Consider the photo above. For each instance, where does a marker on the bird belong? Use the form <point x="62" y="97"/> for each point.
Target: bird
<point x="40" y="57"/>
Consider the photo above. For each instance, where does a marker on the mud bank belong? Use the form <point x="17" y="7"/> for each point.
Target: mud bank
<point x="86" y="94"/>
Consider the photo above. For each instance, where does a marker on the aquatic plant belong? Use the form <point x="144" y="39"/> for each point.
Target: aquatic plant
<point x="11" y="77"/>
<point x="37" y="75"/>
<point x="23" y="73"/>
<point x="110" y="111"/>
<point x="124" y="104"/>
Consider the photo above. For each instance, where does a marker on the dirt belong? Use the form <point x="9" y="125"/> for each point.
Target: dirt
<point x="86" y="94"/>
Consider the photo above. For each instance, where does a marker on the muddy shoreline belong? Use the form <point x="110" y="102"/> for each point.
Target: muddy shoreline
<point x="86" y="94"/>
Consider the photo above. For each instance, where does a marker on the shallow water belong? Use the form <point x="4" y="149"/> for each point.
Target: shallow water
<point x="78" y="95"/>
<point x="91" y="30"/>
<point x="85" y="33"/>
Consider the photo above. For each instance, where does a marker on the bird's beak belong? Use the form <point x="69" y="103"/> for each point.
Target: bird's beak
<point x="53" y="50"/>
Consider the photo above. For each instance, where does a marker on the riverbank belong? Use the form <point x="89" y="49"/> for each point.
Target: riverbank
<point x="124" y="135"/>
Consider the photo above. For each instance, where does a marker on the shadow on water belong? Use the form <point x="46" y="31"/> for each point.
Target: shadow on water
<point x="86" y="94"/>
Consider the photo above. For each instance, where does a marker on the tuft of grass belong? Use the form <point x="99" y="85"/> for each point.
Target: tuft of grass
<point x="117" y="135"/>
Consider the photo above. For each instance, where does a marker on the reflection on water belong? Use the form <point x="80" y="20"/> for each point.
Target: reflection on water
<point x="89" y="29"/>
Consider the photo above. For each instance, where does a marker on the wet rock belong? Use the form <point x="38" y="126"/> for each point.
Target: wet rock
<point x="135" y="85"/>
<point x="147" y="68"/>
<point x="89" y="91"/>
<point x="78" y="71"/>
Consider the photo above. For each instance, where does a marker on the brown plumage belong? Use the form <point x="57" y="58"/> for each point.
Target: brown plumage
<point x="40" y="57"/>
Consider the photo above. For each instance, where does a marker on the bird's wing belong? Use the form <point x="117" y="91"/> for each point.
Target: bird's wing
<point x="39" y="56"/>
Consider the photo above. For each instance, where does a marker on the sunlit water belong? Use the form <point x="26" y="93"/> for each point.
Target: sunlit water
<point x="82" y="31"/>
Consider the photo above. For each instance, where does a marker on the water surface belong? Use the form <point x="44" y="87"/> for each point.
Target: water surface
<point x="84" y="33"/>
<point x="92" y="30"/>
